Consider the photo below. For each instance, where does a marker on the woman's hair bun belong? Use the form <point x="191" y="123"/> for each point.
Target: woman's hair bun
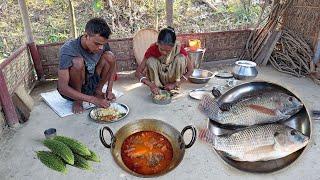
<point x="171" y="28"/>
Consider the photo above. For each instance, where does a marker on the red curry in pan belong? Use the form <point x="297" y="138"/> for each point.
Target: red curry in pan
<point x="147" y="152"/>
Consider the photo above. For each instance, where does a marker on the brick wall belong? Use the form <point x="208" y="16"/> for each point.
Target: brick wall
<point x="219" y="45"/>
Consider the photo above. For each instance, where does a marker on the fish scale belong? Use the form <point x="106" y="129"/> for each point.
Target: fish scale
<point x="257" y="143"/>
<point x="258" y="110"/>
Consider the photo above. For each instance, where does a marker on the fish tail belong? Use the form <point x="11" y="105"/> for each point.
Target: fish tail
<point x="210" y="107"/>
<point x="205" y="135"/>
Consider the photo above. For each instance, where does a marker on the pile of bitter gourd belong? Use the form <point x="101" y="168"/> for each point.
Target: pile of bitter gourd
<point x="65" y="150"/>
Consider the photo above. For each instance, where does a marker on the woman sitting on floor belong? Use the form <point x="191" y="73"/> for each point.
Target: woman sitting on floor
<point x="165" y="64"/>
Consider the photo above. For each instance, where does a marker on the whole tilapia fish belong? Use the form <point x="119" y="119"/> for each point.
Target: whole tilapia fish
<point x="267" y="108"/>
<point x="258" y="143"/>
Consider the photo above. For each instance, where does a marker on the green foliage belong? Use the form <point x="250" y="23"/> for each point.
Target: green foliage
<point x="51" y="19"/>
<point x="97" y="5"/>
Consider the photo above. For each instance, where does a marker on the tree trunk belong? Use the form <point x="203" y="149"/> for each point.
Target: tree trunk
<point x="169" y="12"/>
<point x="130" y="16"/>
<point x="113" y="14"/>
<point x="155" y="3"/>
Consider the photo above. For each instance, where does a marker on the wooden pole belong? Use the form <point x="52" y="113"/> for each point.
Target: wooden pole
<point x="26" y="21"/>
<point x="169" y="12"/>
<point x="10" y="113"/>
<point x="155" y="5"/>
<point x="30" y="41"/>
<point x="74" y="33"/>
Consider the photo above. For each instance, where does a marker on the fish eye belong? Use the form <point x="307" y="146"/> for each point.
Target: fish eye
<point x="290" y="99"/>
<point x="293" y="132"/>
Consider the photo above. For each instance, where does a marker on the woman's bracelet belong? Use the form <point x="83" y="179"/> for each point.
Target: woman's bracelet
<point x="142" y="79"/>
<point x="184" y="77"/>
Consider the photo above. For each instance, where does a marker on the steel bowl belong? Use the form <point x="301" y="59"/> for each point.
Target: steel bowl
<point x="200" y="76"/>
<point x="175" y="138"/>
<point x="50" y="133"/>
<point x="300" y="121"/>
<point x="245" y="70"/>
<point x="164" y="101"/>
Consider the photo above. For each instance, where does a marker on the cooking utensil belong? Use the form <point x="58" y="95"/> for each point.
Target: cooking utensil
<point x="174" y="136"/>
<point x="200" y="76"/>
<point x="245" y="70"/>
<point x="50" y="133"/>
<point x="300" y="121"/>
<point x="196" y="57"/>
<point x="198" y="93"/>
<point x="122" y="108"/>
<point x="224" y="74"/>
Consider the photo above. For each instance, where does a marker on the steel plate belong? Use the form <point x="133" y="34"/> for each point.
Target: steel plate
<point x="118" y="106"/>
<point x="300" y="121"/>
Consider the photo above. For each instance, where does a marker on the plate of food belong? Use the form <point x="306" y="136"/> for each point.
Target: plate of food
<point x="115" y="112"/>
<point x="164" y="97"/>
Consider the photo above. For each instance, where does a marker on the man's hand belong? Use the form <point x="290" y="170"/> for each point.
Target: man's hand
<point x="169" y="86"/>
<point x="154" y="89"/>
<point x="104" y="103"/>
<point x="110" y="96"/>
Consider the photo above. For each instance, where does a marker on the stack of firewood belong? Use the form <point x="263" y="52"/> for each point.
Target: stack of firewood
<point x="292" y="55"/>
<point x="262" y="41"/>
<point x="284" y="49"/>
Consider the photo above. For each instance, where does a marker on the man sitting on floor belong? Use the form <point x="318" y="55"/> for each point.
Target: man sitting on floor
<point x="86" y="64"/>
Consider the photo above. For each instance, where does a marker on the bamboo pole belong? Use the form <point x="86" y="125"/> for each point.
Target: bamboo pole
<point x="26" y="21"/>
<point x="30" y="41"/>
<point x="74" y="33"/>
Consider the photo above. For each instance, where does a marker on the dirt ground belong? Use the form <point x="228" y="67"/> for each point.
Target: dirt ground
<point x="18" y="146"/>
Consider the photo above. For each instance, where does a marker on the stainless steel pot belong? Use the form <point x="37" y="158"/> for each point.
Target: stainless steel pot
<point x="300" y="121"/>
<point x="244" y="70"/>
<point x="174" y="136"/>
<point x="200" y="76"/>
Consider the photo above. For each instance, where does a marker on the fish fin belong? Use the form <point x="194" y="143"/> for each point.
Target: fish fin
<point x="230" y="156"/>
<point x="205" y="135"/>
<point x="225" y="106"/>
<point x="210" y="107"/>
<point x="260" y="150"/>
<point x="263" y="109"/>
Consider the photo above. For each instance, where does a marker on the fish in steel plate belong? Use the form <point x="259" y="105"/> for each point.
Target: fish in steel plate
<point x="267" y="108"/>
<point x="257" y="143"/>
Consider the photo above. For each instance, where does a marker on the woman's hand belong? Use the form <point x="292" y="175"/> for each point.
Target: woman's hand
<point x="169" y="86"/>
<point x="154" y="89"/>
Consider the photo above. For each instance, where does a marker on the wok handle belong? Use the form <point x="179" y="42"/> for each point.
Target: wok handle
<point x="103" y="141"/>
<point x="194" y="135"/>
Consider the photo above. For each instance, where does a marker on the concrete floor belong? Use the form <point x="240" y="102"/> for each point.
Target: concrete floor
<point x="18" y="147"/>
